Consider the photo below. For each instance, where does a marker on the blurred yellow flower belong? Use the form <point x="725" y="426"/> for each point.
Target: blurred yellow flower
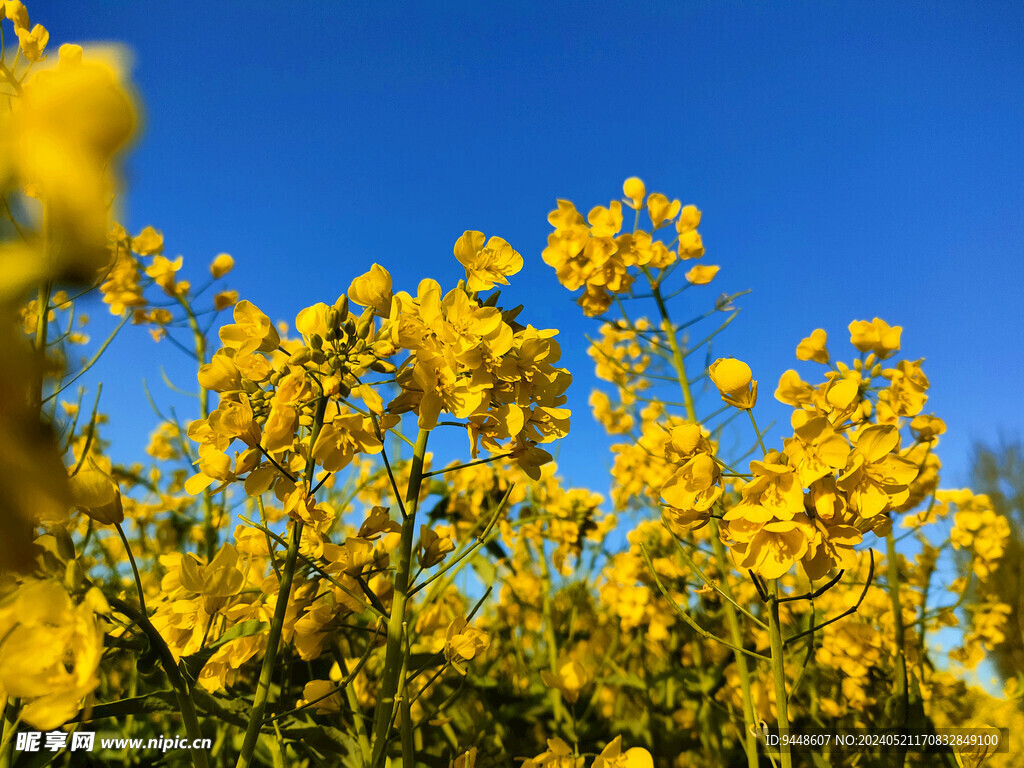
<point x="221" y="265"/>
<point x="702" y="274"/>
<point x="634" y="189"/>
<point x="813" y="347"/>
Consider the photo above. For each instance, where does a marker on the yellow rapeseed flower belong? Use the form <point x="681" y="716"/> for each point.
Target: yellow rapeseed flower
<point x="486" y="265"/>
<point x="733" y="379"/>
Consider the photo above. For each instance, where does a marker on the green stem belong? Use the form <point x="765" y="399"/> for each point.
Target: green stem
<point x="9" y="712"/>
<point x="394" y="655"/>
<point x="760" y="439"/>
<point x="209" y="528"/>
<point x="259" y="704"/>
<point x="733" y="623"/>
<point x="902" y="693"/>
<point x="135" y="569"/>
<point x="732" y="620"/>
<point x="549" y="635"/>
<point x="779" y="672"/>
<point x="42" y="319"/>
<point x="677" y="353"/>
<point x="170" y="665"/>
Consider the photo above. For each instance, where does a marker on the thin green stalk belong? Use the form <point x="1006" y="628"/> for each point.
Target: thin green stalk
<point x="549" y="635"/>
<point x="42" y="318"/>
<point x="9" y="712"/>
<point x="779" y="672"/>
<point x="733" y="623"/>
<point x="259" y="704"/>
<point x="732" y="620"/>
<point x="689" y="619"/>
<point x="174" y="676"/>
<point x="181" y="691"/>
<point x="209" y="529"/>
<point x="677" y="354"/>
<point x="135" y="568"/>
<point x="902" y="690"/>
<point x="394" y="655"/>
<point x="760" y="439"/>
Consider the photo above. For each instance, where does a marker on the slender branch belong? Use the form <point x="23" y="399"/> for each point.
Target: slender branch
<point x="457" y="467"/>
<point x="689" y="620"/>
<point x="847" y="612"/>
<point x="259" y="705"/>
<point x="174" y="676"/>
<point x="394" y="657"/>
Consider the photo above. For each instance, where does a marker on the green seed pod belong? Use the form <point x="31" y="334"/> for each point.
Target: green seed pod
<point x="365" y="325"/>
<point x="333" y="321"/>
<point x="301" y="357"/>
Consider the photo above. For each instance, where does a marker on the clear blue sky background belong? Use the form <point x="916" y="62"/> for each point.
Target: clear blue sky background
<point x="851" y="160"/>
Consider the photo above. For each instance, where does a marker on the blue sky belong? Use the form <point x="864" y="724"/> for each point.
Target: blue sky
<point x="852" y="160"/>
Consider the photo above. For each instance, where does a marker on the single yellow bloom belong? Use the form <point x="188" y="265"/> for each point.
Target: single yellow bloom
<point x="221" y="265"/>
<point x="64" y="134"/>
<point x="612" y="756"/>
<point x="373" y="289"/>
<point x="251" y="332"/>
<point x="813" y="348"/>
<point x="486" y="265"/>
<point x="33" y="43"/>
<point x="163" y="270"/>
<point x="571" y="678"/>
<point x="463" y="642"/>
<point x="733" y="379"/>
<point x="634" y="189"/>
<point x="876" y="336"/>
<point x="702" y="274"/>
<point x="605" y="222"/>
<point x="149" y="242"/>
<point x="324" y="693"/>
<point x="15" y="11"/>
<point x="689" y="219"/>
<point x="433" y="547"/>
<point x="661" y="209"/>
<point x="558" y="755"/>
<point x="691" y="245"/>
<point x="96" y="494"/>
<point x="225" y="299"/>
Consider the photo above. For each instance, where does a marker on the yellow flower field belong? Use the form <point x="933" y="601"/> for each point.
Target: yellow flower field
<point x="303" y="572"/>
